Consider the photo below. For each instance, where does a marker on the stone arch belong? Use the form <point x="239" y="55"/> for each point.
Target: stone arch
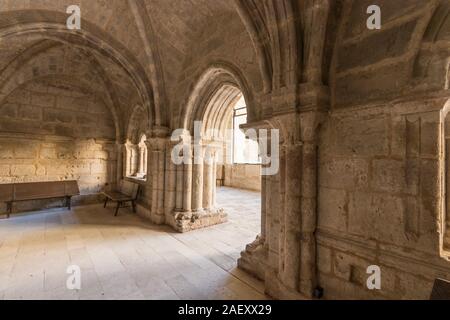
<point x="136" y="126"/>
<point x="80" y="83"/>
<point x="217" y="110"/>
<point x="432" y="62"/>
<point x="260" y="43"/>
<point x="145" y="27"/>
<point x="14" y="80"/>
<point x="40" y="24"/>
<point x="211" y="101"/>
<point x="364" y="71"/>
<point x="201" y="99"/>
<point x="273" y="28"/>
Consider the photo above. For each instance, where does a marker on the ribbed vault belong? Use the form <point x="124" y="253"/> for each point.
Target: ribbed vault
<point x="49" y="49"/>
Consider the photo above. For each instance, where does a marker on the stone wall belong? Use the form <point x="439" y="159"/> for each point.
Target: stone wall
<point x="379" y="201"/>
<point x="243" y="176"/>
<point x="50" y="132"/>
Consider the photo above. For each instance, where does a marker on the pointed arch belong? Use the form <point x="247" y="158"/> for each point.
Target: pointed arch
<point x="42" y="24"/>
<point x="220" y="83"/>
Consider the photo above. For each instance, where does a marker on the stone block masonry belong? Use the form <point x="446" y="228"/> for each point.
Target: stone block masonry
<point x="44" y="139"/>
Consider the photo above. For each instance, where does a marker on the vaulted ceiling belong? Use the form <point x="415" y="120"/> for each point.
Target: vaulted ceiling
<point x="152" y="52"/>
<point x="160" y="37"/>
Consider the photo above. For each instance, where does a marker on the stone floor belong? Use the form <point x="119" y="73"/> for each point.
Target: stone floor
<point x="127" y="257"/>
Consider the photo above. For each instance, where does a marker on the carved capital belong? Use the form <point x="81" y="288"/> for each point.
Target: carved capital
<point x="159" y="132"/>
<point x="156" y="144"/>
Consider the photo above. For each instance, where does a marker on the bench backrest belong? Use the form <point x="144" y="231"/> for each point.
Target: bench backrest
<point x="71" y="188"/>
<point x="38" y="190"/>
<point x="6" y="192"/>
<point x="33" y="191"/>
<point x="129" y="188"/>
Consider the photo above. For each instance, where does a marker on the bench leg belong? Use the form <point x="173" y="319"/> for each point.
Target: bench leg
<point x="133" y="204"/>
<point x="106" y="202"/>
<point x="69" y="203"/>
<point x="9" y="209"/>
<point x="117" y="208"/>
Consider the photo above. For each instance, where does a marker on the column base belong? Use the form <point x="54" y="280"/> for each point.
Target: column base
<point x="253" y="259"/>
<point x="146" y="213"/>
<point x="275" y="288"/>
<point x="188" y="221"/>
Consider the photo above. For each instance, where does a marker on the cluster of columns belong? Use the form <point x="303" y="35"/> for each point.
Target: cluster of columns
<point x="157" y="166"/>
<point x="136" y="159"/>
<point x="287" y="246"/>
<point x="143" y="159"/>
<point x="131" y="158"/>
<point x="196" y="179"/>
<point x="184" y="193"/>
<point x="298" y="219"/>
<point x="177" y="193"/>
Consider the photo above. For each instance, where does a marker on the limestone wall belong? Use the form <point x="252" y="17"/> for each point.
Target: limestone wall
<point x="379" y="188"/>
<point x="50" y="132"/>
<point x="243" y="176"/>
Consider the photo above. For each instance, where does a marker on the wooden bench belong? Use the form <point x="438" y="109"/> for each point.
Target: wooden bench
<point x="16" y="192"/>
<point x="220" y="176"/>
<point x="126" y="192"/>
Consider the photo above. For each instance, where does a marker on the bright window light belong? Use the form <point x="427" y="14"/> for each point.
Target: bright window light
<point x="244" y="150"/>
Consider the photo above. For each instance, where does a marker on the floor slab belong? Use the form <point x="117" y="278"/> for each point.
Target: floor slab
<point x="126" y="257"/>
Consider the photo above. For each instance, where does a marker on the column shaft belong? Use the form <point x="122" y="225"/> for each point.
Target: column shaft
<point x="187" y="186"/>
<point x="208" y="185"/>
<point x="214" y="185"/>
<point x="134" y="165"/>
<point x="170" y="185"/>
<point x="160" y="185"/>
<point x="292" y="227"/>
<point x="179" y="188"/>
<point x="154" y="167"/>
<point x="308" y="222"/>
<point x="197" y="180"/>
<point x="120" y="161"/>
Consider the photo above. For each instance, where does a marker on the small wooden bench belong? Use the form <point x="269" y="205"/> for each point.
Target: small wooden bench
<point x="126" y="192"/>
<point x="16" y="192"/>
<point x="220" y="178"/>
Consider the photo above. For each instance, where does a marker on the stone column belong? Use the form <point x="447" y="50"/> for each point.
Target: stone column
<point x="161" y="179"/>
<point x="153" y="154"/>
<point x="121" y="158"/>
<point x="187" y="183"/>
<point x="157" y="145"/>
<point x="197" y="179"/>
<point x="209" y="178"/>
<point x="271" y="209"/>
<point x="264" y="200"/>
<point x="282" y="214"/>
<point x="308" y="215"/>
<point x="170" y="185"/>
<point x="134" y="161"/>
<point x="127" y="160"/>
<point x="292" y="208"/>
<point x="214" y="173"/>
<point x="146" y="161"/>
<point x="310" y="123"/>
<point x="179" y="187"/>
<point x="141" y="160"/>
